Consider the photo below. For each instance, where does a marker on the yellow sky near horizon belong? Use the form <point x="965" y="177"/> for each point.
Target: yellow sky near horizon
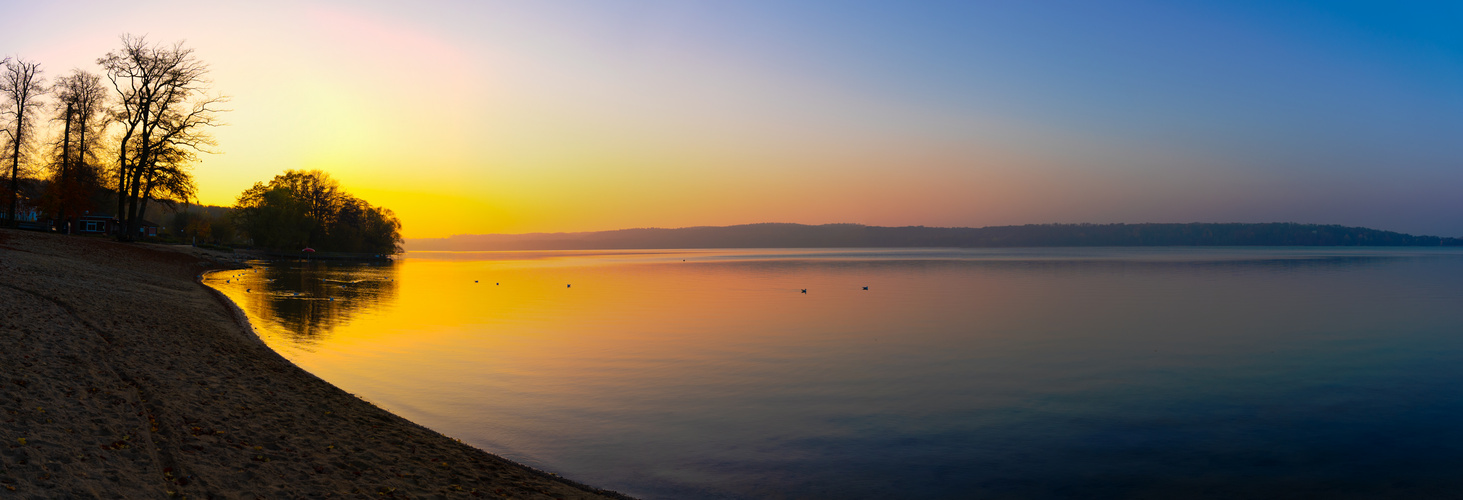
<point x="509" y="139"/>
<point x="511" y="117"/>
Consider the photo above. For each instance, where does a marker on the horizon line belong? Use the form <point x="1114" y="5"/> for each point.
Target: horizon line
<point x="917" y="226"/>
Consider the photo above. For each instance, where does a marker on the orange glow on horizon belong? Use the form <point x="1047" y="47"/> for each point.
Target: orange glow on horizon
<point x="507" y="117"/>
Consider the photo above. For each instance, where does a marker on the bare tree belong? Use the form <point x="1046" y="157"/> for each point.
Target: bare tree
<point x="80" y="98"/>
<point x="163" y="112"/>
<point x="22" y="87"/>
<point x="84" y="93"/>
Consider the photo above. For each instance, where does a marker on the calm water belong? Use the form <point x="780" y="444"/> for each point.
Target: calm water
<point x="1023" y="373"/>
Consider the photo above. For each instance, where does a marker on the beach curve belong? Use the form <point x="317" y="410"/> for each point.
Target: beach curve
<point x="121" y="375"/>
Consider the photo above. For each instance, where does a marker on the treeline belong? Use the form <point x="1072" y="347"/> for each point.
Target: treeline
<point x="205" y="224"/>
<point x="299" y="209"/>
<point x="858" y="236"/>
<point x="121" y="138"/>
<point x="126" y="138"/>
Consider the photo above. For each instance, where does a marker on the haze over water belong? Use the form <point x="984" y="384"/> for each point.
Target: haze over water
<point x="957" y="373"/>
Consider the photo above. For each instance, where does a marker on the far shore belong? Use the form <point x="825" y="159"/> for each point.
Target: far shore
<point x="124" y="377"/>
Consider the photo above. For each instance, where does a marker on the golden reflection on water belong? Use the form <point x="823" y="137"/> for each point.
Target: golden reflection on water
<point x="305" y="302"/>
<point x="431" y="338"/>
<point x="706" y="373"/>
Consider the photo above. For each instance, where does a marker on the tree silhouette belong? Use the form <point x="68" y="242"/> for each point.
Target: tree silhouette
<point x="164" y="111"/>
<point x="298" y="209"/>
<point x="22" y="86"/>
<point x="80" y="98"/>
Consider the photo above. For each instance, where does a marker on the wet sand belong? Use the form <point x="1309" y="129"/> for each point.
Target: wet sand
<point x="123" y="377"/>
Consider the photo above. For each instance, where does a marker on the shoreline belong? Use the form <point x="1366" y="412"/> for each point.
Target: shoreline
<point x="124" y="376"/>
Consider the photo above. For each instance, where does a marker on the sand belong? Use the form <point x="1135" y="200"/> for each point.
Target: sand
<point x="123" y="377"/>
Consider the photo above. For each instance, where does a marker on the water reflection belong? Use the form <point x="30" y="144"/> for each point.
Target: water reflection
<point x="1017" y="373"/>
<point x="305" y="302"/>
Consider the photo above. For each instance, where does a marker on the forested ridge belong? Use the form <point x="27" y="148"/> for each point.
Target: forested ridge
<point x="778" y="235"/>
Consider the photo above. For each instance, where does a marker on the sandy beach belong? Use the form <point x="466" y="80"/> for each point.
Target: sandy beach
<point x="123" y="377"/>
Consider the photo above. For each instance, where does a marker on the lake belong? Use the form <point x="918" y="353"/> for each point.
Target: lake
<point x="985" y="373"/>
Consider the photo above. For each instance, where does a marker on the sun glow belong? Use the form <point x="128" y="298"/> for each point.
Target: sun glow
<point x="568" y="117"/>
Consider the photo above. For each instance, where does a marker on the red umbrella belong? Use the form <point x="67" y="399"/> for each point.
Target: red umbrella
<point x="308" y="249"/>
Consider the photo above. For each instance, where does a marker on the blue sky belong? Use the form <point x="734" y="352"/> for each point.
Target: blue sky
<point x="584" y="115"/>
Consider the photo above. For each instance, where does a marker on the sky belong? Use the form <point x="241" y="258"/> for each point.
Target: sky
<point x="471" y="117"/>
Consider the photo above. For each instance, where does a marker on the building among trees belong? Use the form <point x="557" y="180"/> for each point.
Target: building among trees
<point x="78" y="145"/>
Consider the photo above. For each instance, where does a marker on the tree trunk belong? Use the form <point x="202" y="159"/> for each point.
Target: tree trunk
<point x="129" y="222"/>
<point x="142" y="198"/>
<point x="122" y="175"/>
<point x="143" y="164"/>
<point x="15" y="167"/>
<point x="141" y="209"/>
<point x="64" y="190"/>
<point x="81" y="148"/>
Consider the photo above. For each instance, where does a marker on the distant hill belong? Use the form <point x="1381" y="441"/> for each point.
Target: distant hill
<point x="775" y="235"/>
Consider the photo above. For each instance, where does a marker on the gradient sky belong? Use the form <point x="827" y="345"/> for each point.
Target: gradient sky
<point x="528" y="116"/>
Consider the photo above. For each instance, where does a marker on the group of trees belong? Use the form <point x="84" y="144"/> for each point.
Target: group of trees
<point x="132" y="144"/>
<point x="205" y="224"/>
<point x="300" y="209"/>
<point x="22" y="85"/>
<point x="130" y="135"/>
<point x="163" y="112"/>
<point x="82" y="99"/>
